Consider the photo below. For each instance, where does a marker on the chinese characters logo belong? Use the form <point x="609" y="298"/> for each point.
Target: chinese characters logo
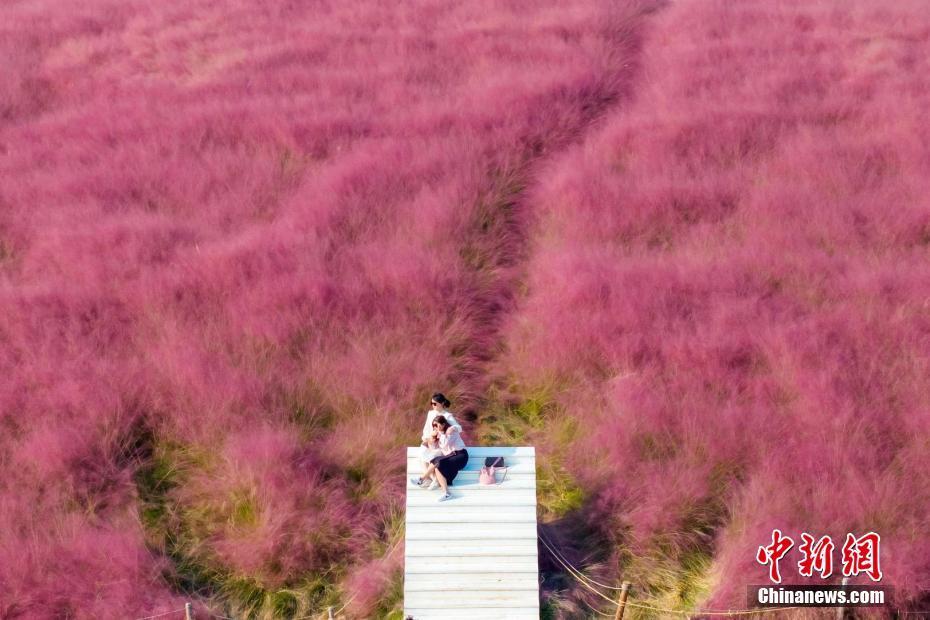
<point x="859" y="555"/>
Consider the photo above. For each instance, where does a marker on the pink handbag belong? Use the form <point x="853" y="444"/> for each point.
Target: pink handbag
<point x="486" y="475"/>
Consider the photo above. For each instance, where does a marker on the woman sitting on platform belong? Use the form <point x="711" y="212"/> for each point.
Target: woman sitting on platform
<point x="438" y="406"/>
<point x="454" y="457"/>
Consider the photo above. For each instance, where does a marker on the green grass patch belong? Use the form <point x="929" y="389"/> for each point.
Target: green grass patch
<point x="547" y="611"/>
<point x="677" y="574"/>
<point x="182" y="532"/>
<point x="244" y="511"/>
<point x="391" y="604"/>
<point x="557" y="493"/>
<point x="492" y="218"/>
<point x="509" y="423"/>
<point x="537" y="415"/>
<point x="310" y="410"/>
<point x="665" y="583"/>
<point x="392" y="531"/>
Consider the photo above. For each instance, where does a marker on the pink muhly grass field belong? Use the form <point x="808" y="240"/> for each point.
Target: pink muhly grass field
<point x="728" y="298"/>
<point x="241" y="244"/>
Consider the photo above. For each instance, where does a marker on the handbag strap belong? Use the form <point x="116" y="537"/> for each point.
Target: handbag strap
<point x="505" y="475"/>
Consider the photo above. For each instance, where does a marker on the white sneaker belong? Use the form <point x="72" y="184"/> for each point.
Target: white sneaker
<point x="417" y="482"/>
<point x="433" y="486"/>
<point x="445" y="496"/>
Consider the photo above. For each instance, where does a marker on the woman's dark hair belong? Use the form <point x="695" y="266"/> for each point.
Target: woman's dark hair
<point x="441" y="399"/>
<point x="442" y="421"/>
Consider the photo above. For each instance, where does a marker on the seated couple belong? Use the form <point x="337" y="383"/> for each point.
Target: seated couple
<point x="442" y="450"/>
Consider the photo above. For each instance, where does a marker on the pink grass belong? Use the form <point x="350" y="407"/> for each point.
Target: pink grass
<point x="729" y="287"/>
<point x="262" y="235"/>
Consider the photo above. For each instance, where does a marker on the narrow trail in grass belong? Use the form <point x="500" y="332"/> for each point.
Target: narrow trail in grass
<point x="500" y="238"/>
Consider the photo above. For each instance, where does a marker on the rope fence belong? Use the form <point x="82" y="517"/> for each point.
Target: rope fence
<point x="620" y="604"/>
<point x="623" y="603"/>
<point x="188" y="611"/>
<point x="173" y="611"/>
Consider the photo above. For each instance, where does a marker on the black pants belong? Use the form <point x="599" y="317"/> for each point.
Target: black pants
<point x="451" y="464"/>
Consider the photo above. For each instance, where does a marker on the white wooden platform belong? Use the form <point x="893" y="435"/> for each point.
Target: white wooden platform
<point x="474" y="556"/>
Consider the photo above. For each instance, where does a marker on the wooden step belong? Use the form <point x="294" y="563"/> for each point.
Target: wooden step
<point x="505" y="497"/>
<point x="469" y="479"/>
<point x="478" y="597"/>
<point x="415" y="467"/>
<point x="448" y="512"/>
<point x="471" y="475"/>
<point x="469" y="582"/>
<point x="508" y="563"/>
<point x="468" y="548"/>
<point x="469" y="531"/>
<point x="474" y="556"/>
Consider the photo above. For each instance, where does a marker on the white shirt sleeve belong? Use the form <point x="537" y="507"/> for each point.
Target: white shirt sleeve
<point x="451" y="419"/>
<point x="428" y="427"/>
<point x="451" y="440"/>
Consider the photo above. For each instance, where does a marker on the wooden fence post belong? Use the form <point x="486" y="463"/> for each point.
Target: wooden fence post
<point x="188" y="612"/>
<point x="330" y="610"/>
<point x="621" y="604"/>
